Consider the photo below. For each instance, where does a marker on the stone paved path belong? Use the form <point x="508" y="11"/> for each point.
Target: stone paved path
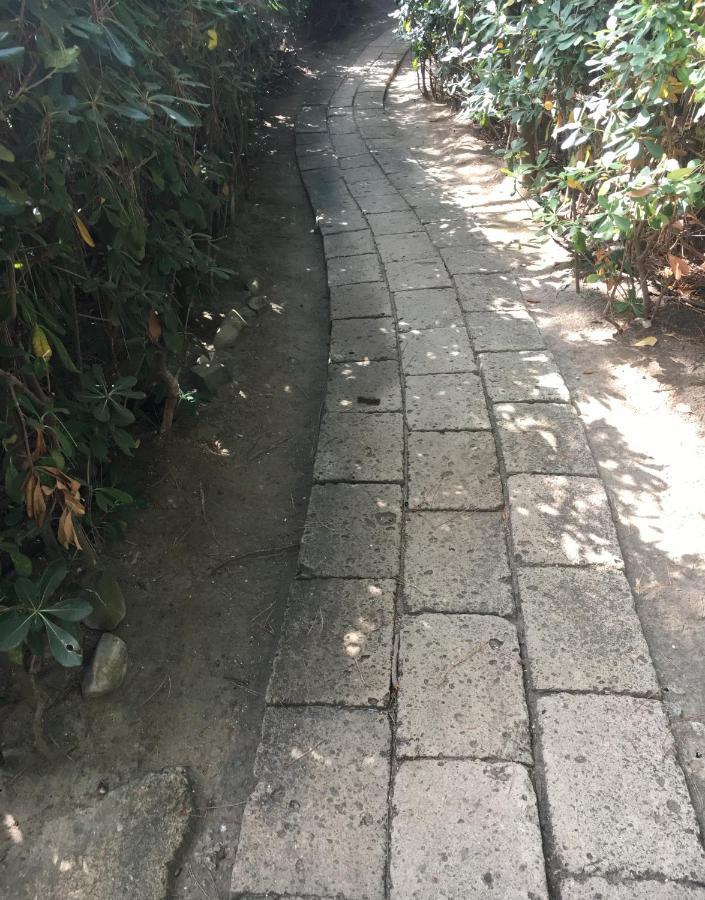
<point x="463" y="704"/>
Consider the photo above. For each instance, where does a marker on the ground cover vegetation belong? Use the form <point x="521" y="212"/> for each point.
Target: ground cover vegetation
<point x="601" y="111"/>
<point x="122" y="132"/>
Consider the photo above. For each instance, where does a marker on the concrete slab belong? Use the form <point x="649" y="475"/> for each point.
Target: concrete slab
<point x="616" y="798"/>
<point x="562" y="520"/>
<point x="354" y="301"/>
<point x="453" y="470"/>
<point x="436" y="351"/>
<point x="360" y="447"/>
<point x="358" y="339"/>
<point x="455" y="233"/>
<point x="406" y="276"/>
<point x="420" y="310"/>
<point x="316" y="822"/>
<point x="582" y="632"/>
<point x="526" y="375"/>
<point x="369" y="387"/>
<point x="446" y="403"/>
<point x="456" y="563"/>
<point x="402" y="222"/>
<point x="354" y="269"/>
<point x="415" y="246"/>
<point x="461" y="689"/>
<point x="601" y="889"/>
<point x="488" y="293"/>
<point x="379" y="204"/>
<point x="511" y="329"/>
<point x="465" y="829"/>
<point x="486" y="260"/>
<point x="352" y="531"/>
<point x="545" y="438"/>
<point x="336" y="644"/>
<point x="349" y="243"/>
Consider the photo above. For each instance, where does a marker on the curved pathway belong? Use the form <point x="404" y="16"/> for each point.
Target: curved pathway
<point x="463" y="703"/>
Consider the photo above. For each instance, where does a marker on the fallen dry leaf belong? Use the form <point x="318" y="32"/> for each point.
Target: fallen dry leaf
<point x="645" y="342"/>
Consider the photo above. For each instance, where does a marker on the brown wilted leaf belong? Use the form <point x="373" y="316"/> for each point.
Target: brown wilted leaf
<point x="679" y="266"/>
<point x="66" y="531"/>
<point x="154" y="327"/>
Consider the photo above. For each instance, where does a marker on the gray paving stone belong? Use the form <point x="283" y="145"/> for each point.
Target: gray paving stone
<point x="347" y="144"/>
<point x="511" y="329"/>
<point x="366" y="160"/>
<point x="403" y="222"/>
<point x="420" y="310"/>
<point x="414" y="246"/>
<point x="436" y="351"/>
<point x="372" y="178"/>
<point x="526" y="375"/>
<point x="379" y="204"/>
<point x="407" y="276"/>
<point x="543" y="437"/>
<point x="355" y="301"/>
<point x="357" y="339"/>
<point x="352" y="531"/>
<point x="562" y="520"/>
<point x="486" y="260"/>
<point x="316" y="822"/>
<point x="316" y="158"/>
<point x="343" y="126"/>
<point x="336" y="644"/>
<point x="360" y="447"/>
<point x="455" y="233"/>
<point x="312" y="118"/>
<point x="582" y="632"/>
<point x="616" y="797"/>
<point x="453" y="470"/>
<point x="446" y="403"/>
<point x="461" y="689"/>
<point x="456" y="563"/>
<point x="466" y="829"/>
<point x="488" y="293"/>
<point x="370" y="387"/>
<point x="601" y="889"/>
<point x="354" y="269"/>
<point x="349" y="243"/>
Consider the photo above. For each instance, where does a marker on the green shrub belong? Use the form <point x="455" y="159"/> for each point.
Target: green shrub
<point x="602" y="105"/>
<point x="122" y="129"/>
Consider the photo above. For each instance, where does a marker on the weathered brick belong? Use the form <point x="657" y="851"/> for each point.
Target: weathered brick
<point x="360" y="447"/>
<point x="446" y="403"/>
<point x="436" y="351"/>
<point x="357" y="339"/>
<point x="526" y="375"/>
<point x="369" y="387"/>
<point x="543" y="438"/>
<point x="453" y="470"/>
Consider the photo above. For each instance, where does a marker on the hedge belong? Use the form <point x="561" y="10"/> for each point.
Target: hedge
<point x="122" y="130"/>
<point x="602" y="106"/>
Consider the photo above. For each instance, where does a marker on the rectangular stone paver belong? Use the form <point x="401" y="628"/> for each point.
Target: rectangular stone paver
<point x="336" y="644"/>
<point x="455" y="233"/>
<point x="461" y="689"/>
<point x="436" y="351"/>
<point x="415" y="246"/>
<point x="543" y="437"/>
<point x="526" y="375"/>
<point x="357" y="339"/>
<point x="488" y="293"/>
<point x="407" y="276"/>
<point x="453" y="470"/>
<point x="562" y="520"/>
<point x="349" y="243"/>
<point x="352" y="531"/>
<point x="354" y="269"/>
<point x="316" y="823"/>
<point x="360" y="447"/>
<point x="456" y="562"/>
<point x="482" y="261"/>
<point x="401" y="222"/>
<point x="355" y="301"/>
<point x="511" y="329"/>
<point x="465" y="829"/>
<point x="616" y="797"/>
<point x="380" y="204"/>
<point x="601" y="889"/>
<point x="435" y="308"/>
<point x="369" y="387"/>
<point x="582" y="632"/>
<point x="446" y="403"/>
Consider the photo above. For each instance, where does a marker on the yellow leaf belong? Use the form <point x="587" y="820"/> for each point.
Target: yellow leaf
<point x="40" y="344"/>
<point x="645" y="342"/>
<point x="83" y="230"/>
<point x="548" y="104"/>
<point x="574" y="183"/>
<point x="212" y="38"/>
<point x="679" y="266"/>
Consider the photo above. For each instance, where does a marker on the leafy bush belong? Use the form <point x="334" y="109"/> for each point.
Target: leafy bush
<point x="602" y="105"/>
<point x="122" y="129"/>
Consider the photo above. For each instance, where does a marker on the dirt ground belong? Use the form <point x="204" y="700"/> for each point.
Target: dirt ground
<point x="643" y="407"/>
<point x="207" y="565"/>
